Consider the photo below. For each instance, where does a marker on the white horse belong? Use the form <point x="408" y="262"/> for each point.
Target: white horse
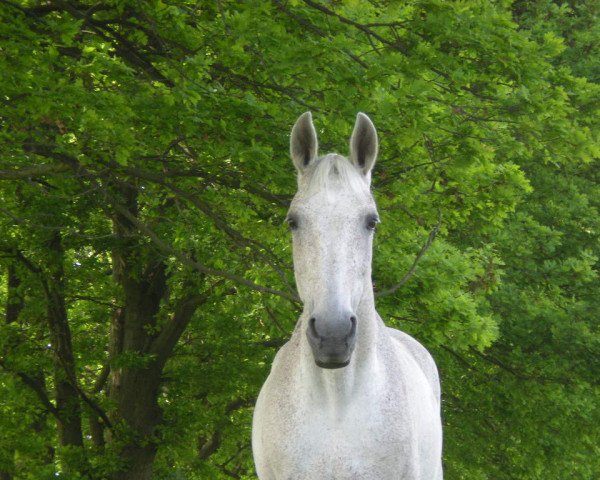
<point x="347" y="397"/>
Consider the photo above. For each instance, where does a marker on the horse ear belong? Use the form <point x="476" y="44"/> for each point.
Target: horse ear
<point x="303" y="142"/>
<point x="363" y="144"/>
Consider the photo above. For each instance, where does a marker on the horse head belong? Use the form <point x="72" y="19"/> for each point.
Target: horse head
<point x="332" y="218"/>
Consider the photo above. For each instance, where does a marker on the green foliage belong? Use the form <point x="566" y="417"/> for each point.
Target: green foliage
<point x="487" y="187"/>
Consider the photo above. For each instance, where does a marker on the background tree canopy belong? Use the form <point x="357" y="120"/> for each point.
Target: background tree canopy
<point x="146" y="278"/>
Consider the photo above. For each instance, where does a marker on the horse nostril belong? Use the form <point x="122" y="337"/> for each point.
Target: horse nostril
<point x="352" y="327"/>
<point x="312" y="328"/>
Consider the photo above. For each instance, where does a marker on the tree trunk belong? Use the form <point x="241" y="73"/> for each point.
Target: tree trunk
<point x="68" y="405"/>
<point x="134" y="391"/>
<point x="14" y="300"/>
<point x="37" y="381"/>
<point x="136" y="398"/>
<point x="14" y="305"/>
<point x="135" y="383"/>
<point x="96" y="430"/>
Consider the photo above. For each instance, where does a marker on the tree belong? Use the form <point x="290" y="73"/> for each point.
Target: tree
<point x="534" y="388"/>
<point x="147" y="276"/>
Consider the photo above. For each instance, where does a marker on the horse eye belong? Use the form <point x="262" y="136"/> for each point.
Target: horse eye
<point x="372" y="221"/>
<point x="292" y="223"/>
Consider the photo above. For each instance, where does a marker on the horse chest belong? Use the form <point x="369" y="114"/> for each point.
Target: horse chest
<point x="367" y="438"/>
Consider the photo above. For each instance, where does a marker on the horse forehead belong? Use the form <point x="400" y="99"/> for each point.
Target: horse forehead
<point x="329" y="207"/>
<point x="335" y="200"/>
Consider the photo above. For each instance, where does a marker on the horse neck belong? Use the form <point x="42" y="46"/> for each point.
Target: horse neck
<point x="369" y="327"/>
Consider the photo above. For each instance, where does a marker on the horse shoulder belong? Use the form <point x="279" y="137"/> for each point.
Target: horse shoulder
<point x="275" y="390"/>
<point x="422" y="356"/>
<point x="272" y="413"/>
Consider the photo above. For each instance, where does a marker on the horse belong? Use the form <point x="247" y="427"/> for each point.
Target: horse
<point x="347" y="397"/>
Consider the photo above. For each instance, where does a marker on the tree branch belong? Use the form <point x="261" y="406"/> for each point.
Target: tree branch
<point x="165" y="247"/>
<point x="232" y="179"/>
<point x="239" y="79"/>
<point x="208" y="446"/>
<point x="92" y="404"/>
<point x="26" y="173"/>
<point x="310" y="26"/>
<point x="363" y="28"/>
<point x="38" y="389"/>
<point x="459" y="358"/>
<point x="413" y="267"/>
<point x="190" y="262"/>
<point x="125" y="49"/>
<point x="263" y="253"/>
<point x="518" y="373"/>
<point x="163" y="344"/>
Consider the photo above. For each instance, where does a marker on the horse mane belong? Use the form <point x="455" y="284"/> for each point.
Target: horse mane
<point x="335" y="170"/>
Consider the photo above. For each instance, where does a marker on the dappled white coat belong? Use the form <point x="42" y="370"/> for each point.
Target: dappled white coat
<point x="378" y="418"/>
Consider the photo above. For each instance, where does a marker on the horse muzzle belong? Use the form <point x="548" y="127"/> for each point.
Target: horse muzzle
<point x="332" y="343"/>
